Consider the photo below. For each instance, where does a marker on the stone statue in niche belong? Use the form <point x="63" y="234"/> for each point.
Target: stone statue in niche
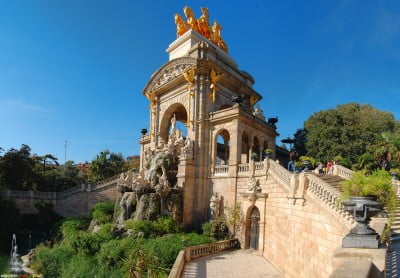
<point x="215" y="206"/>
<point x="187" y="149"/>
<point x="253" y="184"/>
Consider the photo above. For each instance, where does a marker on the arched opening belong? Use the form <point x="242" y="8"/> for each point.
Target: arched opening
<point x="255" y="151"/>
<point x="223" y="145"/>
<point x="175" y="115"/>
<point x="254" y="232"/>
<point x="265" y="146"/>
<point x="244" y="154"/>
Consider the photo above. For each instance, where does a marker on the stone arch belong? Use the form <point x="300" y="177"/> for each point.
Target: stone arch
<point x="181" y="115"/>
<point x="252" y="228"/>
<point x="256" y="149"/>
<point x="245" y="147"/>
<point x="222" y="149"/>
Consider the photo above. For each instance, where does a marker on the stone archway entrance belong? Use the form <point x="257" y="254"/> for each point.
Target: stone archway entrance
<point x="254" y="228"/>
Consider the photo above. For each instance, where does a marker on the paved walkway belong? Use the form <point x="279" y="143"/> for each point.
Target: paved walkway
<point x="393" y="261"/>
<point x="238" y="263"/>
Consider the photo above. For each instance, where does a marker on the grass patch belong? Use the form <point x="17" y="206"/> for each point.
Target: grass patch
<point x="4" y="263"/>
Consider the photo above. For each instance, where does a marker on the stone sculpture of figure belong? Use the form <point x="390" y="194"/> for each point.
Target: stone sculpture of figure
<point x="204" y="25"/>
<point x="191" y="19"/>
<point x="216" y="36"/>
<point x="215" y="206"/>
<point x="173" y="124"/>
<point x="252" y="184"/>
<point x="187" y="149"/>
<point x="259" y="113"/>
<point x="181" y="26"/>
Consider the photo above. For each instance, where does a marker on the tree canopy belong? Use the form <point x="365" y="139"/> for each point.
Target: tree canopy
<point x="106" y="165"/>
<point x="348" y="131"/>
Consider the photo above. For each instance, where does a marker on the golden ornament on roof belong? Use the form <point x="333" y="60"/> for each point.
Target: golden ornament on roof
<point x="201" y="26"/>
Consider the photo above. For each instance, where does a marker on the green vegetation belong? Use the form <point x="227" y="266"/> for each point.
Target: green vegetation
<point x="103" y="212"/>
<point x="4" y="263"/>
<point x="354" y="135"/>
<point x="378" y="184"/>
<point x="149" y="250"/>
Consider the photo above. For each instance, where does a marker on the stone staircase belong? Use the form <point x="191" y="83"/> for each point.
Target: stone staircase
<point x="395" y="234"/>
<point x="332" y="180"/>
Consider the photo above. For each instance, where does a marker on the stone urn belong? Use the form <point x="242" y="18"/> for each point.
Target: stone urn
<point x="362" y="209"/>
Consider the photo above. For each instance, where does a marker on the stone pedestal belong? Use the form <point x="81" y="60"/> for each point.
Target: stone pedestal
<point x="361" y="241"/>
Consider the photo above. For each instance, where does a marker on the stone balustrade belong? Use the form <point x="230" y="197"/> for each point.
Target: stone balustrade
<point x="342" y="172"/>
<point x="193" y="252"/>
<point x="221" y="170"/>
<point x="282" y="175"/>
<point x="259" y="165"/>
<point x="328" y="197"/>
<point x="243" y="168"/>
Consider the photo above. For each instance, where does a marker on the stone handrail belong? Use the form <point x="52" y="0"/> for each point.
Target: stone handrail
<point x="396" y="187"/>
<point x="193" y="252"/>
<point x="221" y="170"/>
<point x="243" y="168"/>
<point x="328" y="197"/>
<point x="280" y="174"/>
<point x="69" y="191"/>
<point x="31" y="194"/>
<point x="342" y="172"/>
<point x="259" y="165"/>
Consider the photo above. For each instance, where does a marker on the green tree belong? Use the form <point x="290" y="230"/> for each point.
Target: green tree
<point x="17" y="169"/>
<point x="106" y="165"/>
<point x="347" y="130"/>
<point x="300" y="140"/>
<point x="387" y="149"/>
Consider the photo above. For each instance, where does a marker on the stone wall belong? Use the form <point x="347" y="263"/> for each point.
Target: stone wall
<point x="298" y="233"/>
<point x="76" y="201"/>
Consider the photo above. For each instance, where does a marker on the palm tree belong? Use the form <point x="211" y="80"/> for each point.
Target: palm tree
<point x="388" y="149"/>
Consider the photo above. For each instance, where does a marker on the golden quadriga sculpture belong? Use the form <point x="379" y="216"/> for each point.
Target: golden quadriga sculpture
<point x="201" y="26"/>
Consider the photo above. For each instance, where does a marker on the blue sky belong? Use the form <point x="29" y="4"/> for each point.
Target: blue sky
<point x="75" y="70"/>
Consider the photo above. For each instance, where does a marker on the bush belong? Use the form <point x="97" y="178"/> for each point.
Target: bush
<point x="166" y="225"/>
<point x="300" y="163"/>
<point x="217" y="229"/>
<point x="80" y="266"/>
<point x="85" y="244"/>
<point x="50" y="261"/>
<point x="378" y="184"/>
<point x="103" y="212"/>
<point x="71" y="226"/>
<point x="144" y="226"/>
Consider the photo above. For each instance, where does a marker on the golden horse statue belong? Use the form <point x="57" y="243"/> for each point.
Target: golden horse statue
<point x="201" y="26"/>
<point x="216" y="36"/>
<point x="181" y="26"/>
<point x="204" y="24"/>
<point x="191" y="19"/>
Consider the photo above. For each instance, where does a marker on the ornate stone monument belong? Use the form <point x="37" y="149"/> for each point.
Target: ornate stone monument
<point x="200" y="86"/>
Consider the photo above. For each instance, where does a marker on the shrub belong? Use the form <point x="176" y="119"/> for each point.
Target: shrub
<point x="217" y="229"/>
<point x="70" y="226"/>
<point x="85" y="244"/>
<point x="166" y="225"/>
<point x="50" y="261"/>
<point x="144" y="226"/>
<point x="80" y="266"/>
<point x="300" y="163"/>
<point x="378" y="184"/>
<point x="103" y="212"/>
